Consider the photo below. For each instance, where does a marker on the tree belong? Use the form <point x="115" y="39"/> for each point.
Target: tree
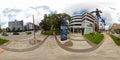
<point x="0" y="30"/>
<point x="44" y="23"/>
<point x="54" y="20"/>
<point x="97" y="12"/>
<point x="13" y="29"/>
<point x="117" y="31"/>
<point x="103" y="23"/>
<point x="18" y="30"/>
<point x="8" y="29"/>
<point x="60" y="18"/>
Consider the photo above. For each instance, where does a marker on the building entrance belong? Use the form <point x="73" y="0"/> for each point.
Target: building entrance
<point x="77" y="30"/>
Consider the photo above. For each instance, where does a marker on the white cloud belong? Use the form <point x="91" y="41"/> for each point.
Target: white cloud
<point x="21" y="8"/>
<point x="111" y="14"/>
<point x="10" y="14"/>
<point x="4" y="20"/>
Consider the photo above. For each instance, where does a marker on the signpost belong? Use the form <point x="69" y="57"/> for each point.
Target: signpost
<point x="63" y="32"/>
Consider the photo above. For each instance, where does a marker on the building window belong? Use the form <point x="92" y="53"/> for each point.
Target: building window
<point x="89" y="25"/>
<point x="75" y="21"/>
<point x="76" y="24"/>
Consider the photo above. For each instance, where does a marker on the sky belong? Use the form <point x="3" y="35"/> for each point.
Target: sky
<point x="24" y="9"/>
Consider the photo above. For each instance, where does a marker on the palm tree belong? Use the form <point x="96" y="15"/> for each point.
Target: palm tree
<point x="97" y="12"/>
<point x="103" y="22"/>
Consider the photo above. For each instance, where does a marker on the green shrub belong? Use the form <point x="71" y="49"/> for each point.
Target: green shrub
<point x="92" y="33"/>
<point x="0" y="31"/>
<point x="2" y="41"/>
<point x="28" y="32"/>
<point x="95" y="38"/>
<point x="57" y="32"/>
<point x="99" y="31"/>
<point x="50" y="32"/>
<point x="47" y="33"/>
<point x="115" y="39"/>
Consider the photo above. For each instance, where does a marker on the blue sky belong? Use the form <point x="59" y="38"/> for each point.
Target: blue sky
<point x="20" y="9"/>
<point x="81" y="11"/>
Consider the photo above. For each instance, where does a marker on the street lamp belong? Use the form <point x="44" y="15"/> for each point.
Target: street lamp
<point x="33" y="41"/>
<point x="33" y="27"/>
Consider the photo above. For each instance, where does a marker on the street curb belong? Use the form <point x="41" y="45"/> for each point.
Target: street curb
<point x="24" y="50"/>
<point x="74" y="50"/>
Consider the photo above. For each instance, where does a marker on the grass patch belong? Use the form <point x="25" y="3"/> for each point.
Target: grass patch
<point x="50" y="32"/>
<point x="95" y="38"/>
<point x="28" y="32"/>
<point x="115" y="39"/>
<point x="2" y="41"/>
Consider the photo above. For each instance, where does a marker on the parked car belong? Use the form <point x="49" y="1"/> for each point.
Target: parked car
<point x="4" y="34"/>
<point x="15" y="33"/>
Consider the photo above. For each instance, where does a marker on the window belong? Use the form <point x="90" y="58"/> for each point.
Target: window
<point x="89" y="25"/>
<point x="77" y="24"/>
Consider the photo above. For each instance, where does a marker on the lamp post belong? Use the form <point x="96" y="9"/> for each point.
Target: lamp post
<point x="33" y="27"/>
<point x="34" y="40"/>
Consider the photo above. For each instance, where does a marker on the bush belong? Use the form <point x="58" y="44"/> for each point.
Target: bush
<point x="28" y="32"/>
<point x="115" y="39"/>
<point x="50" y="32"/>
<point x="95" y="38"/>
<point x="47" y="32"/>
<point x="15" y="33"/>
<point x="57" y="32"/>
<point x="99" y="31"/>
<point x="2" y="41"/>
<point x="92" y="33"/>
<point x="0" y="31"/>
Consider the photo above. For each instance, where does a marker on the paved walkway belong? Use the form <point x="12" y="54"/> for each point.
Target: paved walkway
<point x="108" y="48"/>
<point x="78" y="41"/>
<point x="21" y="45"/>
<point x="50" y="50"/>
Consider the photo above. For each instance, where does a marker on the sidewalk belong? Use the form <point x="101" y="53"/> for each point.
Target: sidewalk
<point x="50" y="50"/>
<point x="24" y="44"/>
<point x="78" y="41"/>
<point x="108" y="48"/>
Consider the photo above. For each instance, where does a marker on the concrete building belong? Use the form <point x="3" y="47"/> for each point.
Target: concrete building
<point x="16" y="25"/>
<point x="29" y="26"/>
<point x="115" y="26"/>
<point x="85" y="23"/>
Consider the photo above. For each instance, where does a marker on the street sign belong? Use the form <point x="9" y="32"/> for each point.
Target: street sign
<point x="63" y="32"/>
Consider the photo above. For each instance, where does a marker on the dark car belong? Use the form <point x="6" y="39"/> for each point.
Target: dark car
<point x="4" y="34"/>
<point x="15" y="33"/>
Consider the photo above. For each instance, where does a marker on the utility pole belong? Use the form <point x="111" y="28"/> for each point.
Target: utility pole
<point x="33" y="27"/>
<point x="34" y="40"/>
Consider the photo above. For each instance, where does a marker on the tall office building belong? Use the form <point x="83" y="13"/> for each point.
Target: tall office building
<point x="17" y="25"/>
<point x="85" y="23"/>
